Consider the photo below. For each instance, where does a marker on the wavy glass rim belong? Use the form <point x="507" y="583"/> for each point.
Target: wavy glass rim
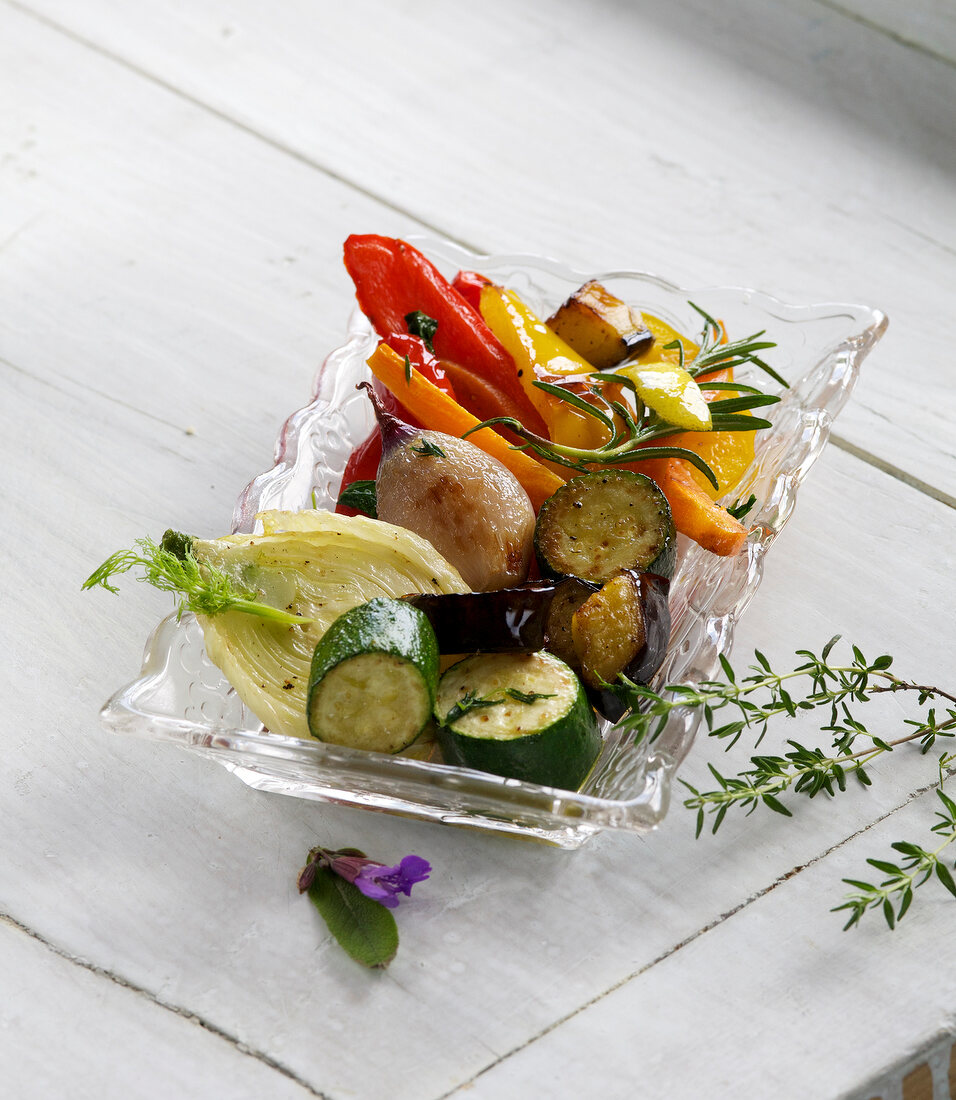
<point x="707" y="598"/>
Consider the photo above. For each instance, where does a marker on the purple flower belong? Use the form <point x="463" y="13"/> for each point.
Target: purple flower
<point x="374" y="879"/>
<point x="383" y="884"/>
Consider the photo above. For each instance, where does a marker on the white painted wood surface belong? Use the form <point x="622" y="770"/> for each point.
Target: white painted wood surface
<point x="175" y="184"/>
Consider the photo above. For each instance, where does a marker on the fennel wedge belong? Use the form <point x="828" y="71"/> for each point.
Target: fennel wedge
<point x="306" y="568"/>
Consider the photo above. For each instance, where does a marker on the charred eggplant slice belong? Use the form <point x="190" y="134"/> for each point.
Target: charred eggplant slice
<point x="605" y="521"/>
<point x="622" y="628"/>
<point x="512" y="619"/>
<point x="600" y="327"/>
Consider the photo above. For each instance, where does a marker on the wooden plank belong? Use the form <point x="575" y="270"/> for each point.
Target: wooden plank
<point x="67" y="1031"/>
<point x="191" y="894"/>
<point x="787" y="147"/>
<point x="160" y="867"/>
<point x="761" y="1005"/>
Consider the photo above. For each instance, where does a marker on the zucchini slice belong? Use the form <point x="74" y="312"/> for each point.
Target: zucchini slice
<point x="521" y="715"/>
<point x="373" y="678"/>
<point x="605" y="521"/>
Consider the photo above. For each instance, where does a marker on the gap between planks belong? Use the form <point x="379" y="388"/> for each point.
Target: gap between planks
<point x="690" y="939"/>
<point x="242" y="127"/>
<point x="184" y="1013"/>
<point x="892" y="471"/>
<point x="895" y="36"/>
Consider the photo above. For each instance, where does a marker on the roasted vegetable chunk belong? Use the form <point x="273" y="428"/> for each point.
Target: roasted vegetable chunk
<point x="600" y="327"/>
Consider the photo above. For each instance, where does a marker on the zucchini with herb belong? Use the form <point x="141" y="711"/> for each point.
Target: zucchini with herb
<point x="520" y="715"/>
<point x="373" y="677"/>
<point x="605" y="521"/>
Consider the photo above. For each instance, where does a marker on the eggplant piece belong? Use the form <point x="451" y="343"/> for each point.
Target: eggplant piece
<point x="522" y="618"/>
<point x="600" y="327"/>
<point x="624" y="628"/>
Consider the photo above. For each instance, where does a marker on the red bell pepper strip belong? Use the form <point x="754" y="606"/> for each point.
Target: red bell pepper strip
<point x="469" y="284"/>
<point x="393" y="279"/>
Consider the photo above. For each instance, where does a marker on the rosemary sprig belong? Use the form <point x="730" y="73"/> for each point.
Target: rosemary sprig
<point x="631" y="428"/>
<point x="763" y="695"/>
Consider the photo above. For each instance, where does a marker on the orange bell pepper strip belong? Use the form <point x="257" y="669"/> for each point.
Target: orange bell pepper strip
<point x="436" y="410"/>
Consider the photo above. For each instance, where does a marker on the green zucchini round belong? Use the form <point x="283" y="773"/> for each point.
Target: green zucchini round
<point x="373" y="678"/>
<point x="520" y="715"/>
<point x="605" y="521"/>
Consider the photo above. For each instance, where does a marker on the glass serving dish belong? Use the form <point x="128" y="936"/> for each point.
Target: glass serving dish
<point x="182" y="697"/>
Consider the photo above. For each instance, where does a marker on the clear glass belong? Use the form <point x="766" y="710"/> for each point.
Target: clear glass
<point x="181" y="696"/>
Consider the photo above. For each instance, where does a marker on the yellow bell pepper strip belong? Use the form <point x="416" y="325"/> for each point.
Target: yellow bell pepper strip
<point x="664" y="335"/>
<point x="541" y="355"/>
<point x="436" y="410"/>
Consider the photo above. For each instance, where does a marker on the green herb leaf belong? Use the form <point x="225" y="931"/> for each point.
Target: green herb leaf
<point x="365" y="929"/>
<point x="468" y="702"/>
<point x="360" y="495"/>
<point x="739" y="509"/>
<point x="173" y="567"/>
<point x="420" y="324"/>
<point x="526" y="696"/>
<point x="428" y="448"/>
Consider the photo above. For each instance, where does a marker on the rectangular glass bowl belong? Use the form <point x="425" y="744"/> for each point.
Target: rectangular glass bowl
<point x="182" y="697"/>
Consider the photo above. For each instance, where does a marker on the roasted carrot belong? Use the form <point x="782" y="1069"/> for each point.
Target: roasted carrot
<point x="441" y="413"/>
<point x="695" y="514"/>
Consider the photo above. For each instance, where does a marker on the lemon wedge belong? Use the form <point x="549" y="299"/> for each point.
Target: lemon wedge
<point x="672" y="393"/>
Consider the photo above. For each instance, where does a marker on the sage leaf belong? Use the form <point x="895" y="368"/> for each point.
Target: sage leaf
<point x="365" y="929"/>
<point x="360" y="495"/>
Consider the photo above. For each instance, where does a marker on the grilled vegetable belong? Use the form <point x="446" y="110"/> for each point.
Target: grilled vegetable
<point x="540" y="355"/>
<point x="437" y="410"/>
<point x="373" y="677"/>
<point x="600" y="327"/>
<point x="393" y="279"/>
<point x="604" y="521"/>
<point x="531" y="616"/>
<point x="668" y="390"/>
<point x="623" y="628"/>
<point x="264" y="600"/>
<point x="524" y="716"/>
<point x="468" y="506"/>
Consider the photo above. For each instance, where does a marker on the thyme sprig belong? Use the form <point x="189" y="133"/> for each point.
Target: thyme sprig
<point x="917" y="867"/>
<point x="631" y="428"/>
<point x="763" y="695"/>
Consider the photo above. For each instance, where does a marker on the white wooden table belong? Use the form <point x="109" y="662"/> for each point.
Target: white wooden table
<point x="176" y="181"/>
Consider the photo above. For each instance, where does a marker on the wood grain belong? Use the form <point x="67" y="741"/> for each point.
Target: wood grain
<point x="169" y="280"/>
